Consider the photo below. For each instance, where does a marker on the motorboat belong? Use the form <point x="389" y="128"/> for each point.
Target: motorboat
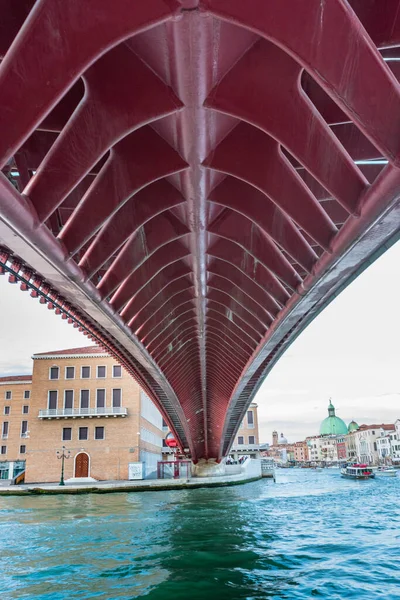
<point x="357" y="471"/>
<point x="267" y="468"/>
<point x="386" y="472"/>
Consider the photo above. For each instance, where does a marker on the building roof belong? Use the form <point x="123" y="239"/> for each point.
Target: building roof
<point x="16" y="379"/>
<point x="332" y="425"/>
<point x="72" y="352"/>
<point x="385" y="426"/>
<point x="353" y="426"/>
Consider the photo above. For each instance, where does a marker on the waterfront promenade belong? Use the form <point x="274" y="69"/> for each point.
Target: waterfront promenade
<point x="251" y="471"/>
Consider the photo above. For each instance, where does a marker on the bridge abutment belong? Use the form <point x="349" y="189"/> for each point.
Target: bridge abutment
<point x="208" y="468"/>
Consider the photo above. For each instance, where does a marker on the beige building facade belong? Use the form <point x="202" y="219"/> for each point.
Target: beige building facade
<point x="83" y="400"/>
<point x="247" y="440"/>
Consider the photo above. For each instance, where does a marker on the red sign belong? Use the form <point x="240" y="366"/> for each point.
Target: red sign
<point x="171" y="441"/>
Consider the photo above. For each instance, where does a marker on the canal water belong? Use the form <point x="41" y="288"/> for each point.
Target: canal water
<point x="312" y="534"/>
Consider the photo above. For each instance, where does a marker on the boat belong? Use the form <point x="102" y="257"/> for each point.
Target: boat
<point x="386" y="472"/>
<point x="267" y="468"/>
<point x="357" y="471"/>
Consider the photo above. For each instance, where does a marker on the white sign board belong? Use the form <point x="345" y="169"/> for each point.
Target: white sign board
<point x="136" y="470"/>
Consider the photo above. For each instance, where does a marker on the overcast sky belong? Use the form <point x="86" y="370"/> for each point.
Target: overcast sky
<point x="351" y="353"/>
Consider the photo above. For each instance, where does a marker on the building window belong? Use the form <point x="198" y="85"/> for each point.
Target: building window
<point x="6" y="410"/>
<point x="99" y="433"/>
<point x="24" y="429"/>
<point x="116" y="398"/>
<point x="84" y="399"/>
<point x="69" y="372"/>
<point x="101" y="372"/>
<point x="22" y="449"/>
<point x="4" y="431"/>
<point x="240" y="440"/>
<point x="54" y="373"/>
<point x="85" y="372"/>
<point x="27" y="394"/>
<point x="67" y="434"/>
<point x="250" y="418"/>
<point x="8" y="395"/>
<point x="53" y="400"/>
<point x="25" y="409"/>
<point x="69" y="399"/>
<point x="83" y="433"/>
<point x="4" y="449"/>
<point x="117" y="371"/>
<point x="100" y="398"/>
<point x="251" y="439"/>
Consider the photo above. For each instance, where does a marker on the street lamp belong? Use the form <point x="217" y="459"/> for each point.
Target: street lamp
<point x="63" y="455"/>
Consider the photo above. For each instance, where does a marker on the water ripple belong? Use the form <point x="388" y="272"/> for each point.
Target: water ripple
<point x="310" y="535"/>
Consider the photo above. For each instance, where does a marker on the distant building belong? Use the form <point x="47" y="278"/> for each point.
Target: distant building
<point x="329" y="446"/>
<point x="395" y="443"/>
<point x="323" y="448"/>
<point x="341" y="447"/>
<point x="362" y="444"/>
<point x="81" y="399"/>
<point x="337" y="442"/>
<point x="353" y="426"/>
<point x="281" y="450"/>
<point x="332" y="425"/>
<point x="301" y="452"/>
<point x="384" y="447"/>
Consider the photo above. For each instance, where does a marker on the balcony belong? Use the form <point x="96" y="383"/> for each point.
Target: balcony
<point x="82" y="413"/>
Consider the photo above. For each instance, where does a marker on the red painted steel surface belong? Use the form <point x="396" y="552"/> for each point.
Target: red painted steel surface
<point x="190" y="182"/>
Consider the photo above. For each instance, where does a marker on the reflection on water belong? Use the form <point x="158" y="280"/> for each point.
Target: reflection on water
<point x="311" y="534"/>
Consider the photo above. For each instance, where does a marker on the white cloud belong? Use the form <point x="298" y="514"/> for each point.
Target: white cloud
<point x="28" y="327"/>
<point x="284" y="392"/>
<point x="351" y="353"/>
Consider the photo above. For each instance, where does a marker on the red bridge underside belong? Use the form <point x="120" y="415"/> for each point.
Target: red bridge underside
<point x="190" y="182"/>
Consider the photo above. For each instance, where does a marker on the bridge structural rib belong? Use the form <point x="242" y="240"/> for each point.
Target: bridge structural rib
<point x="190" y="182"/>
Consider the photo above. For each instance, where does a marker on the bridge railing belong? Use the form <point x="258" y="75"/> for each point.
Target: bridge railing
<point x="103" y="411"/>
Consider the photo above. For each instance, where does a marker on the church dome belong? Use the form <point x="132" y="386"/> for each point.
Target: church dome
<point x="332" y="425"/>
<point x="353" y="426"/>
<point x="282" y="439"/>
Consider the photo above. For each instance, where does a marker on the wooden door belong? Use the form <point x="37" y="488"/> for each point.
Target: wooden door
<point x="82" y="465"/>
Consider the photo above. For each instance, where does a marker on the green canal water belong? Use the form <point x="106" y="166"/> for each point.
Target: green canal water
<point x="312" y="534"/>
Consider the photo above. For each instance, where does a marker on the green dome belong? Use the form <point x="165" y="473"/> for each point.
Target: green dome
<point x="353" y="426"/>
<point x="332" y="425"/>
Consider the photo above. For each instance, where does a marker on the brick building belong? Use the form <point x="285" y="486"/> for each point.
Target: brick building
<point x="15" y="399"/>
<point x="83" y="400"/>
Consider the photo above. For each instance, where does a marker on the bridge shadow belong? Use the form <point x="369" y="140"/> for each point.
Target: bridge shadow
<point x="214" y="550"/>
